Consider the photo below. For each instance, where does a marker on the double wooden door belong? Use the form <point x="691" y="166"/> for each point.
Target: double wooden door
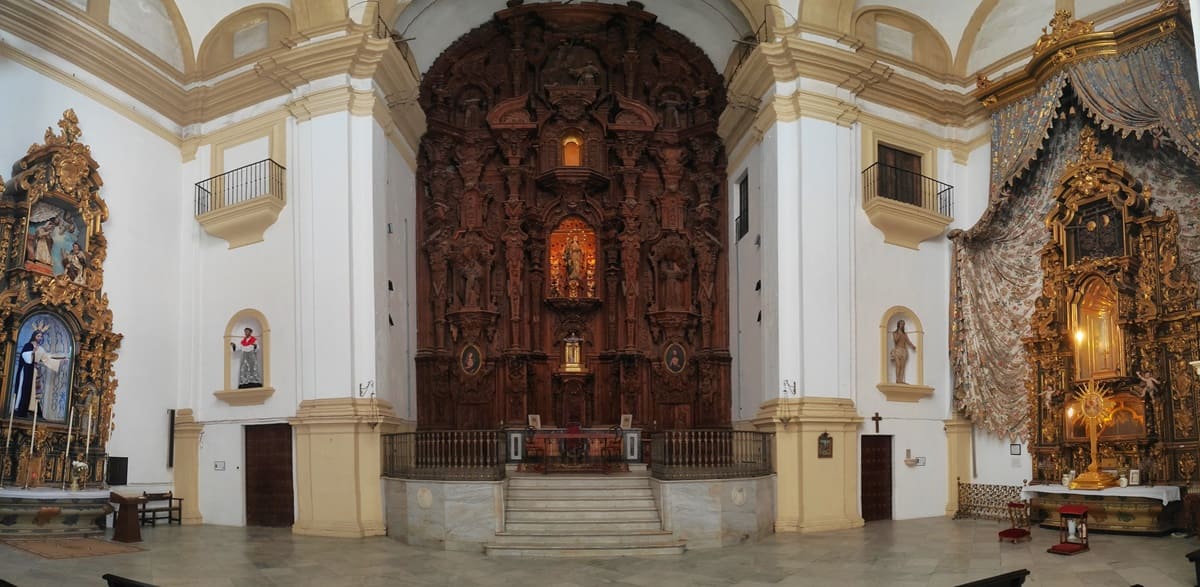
<point x="876" y="478"/>
<point x="269" y="500"/>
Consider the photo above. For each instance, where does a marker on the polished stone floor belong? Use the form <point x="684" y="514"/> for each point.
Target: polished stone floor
<point x="932" y="551"/>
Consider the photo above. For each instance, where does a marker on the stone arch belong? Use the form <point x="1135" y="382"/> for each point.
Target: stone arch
<point x="833" y="15"/>
<point x="219" y="52"/>
<point x="967" y="43"/>
<point x="928" y="47"/>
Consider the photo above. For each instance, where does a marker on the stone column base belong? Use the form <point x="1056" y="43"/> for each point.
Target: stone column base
<point x="338" y="466"/>
<point x="815" y="493"/>
<point x="187" y="465"/>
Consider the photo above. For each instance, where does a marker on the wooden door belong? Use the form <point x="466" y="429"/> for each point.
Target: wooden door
<point x="269" y="499"/>
<point x="876" y="478"/>
<point x="900" y="180"/>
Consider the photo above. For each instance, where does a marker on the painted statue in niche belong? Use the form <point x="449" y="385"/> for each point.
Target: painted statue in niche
<point x="42" y="368"/>
<point x="899" y="353"/>
<point x="573" y="260"/>
<point x="56" y="241"/>
<point x="249" y="364"/>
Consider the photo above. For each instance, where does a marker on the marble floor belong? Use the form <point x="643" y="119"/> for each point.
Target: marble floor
<point x="932" y="551"/>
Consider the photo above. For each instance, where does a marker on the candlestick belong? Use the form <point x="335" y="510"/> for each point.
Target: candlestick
<point x="70" y="429"/>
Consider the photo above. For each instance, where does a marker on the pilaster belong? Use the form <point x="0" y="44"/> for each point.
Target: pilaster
<point x="814" y="494"/>
<point x="958" y="459"/>
<point x="338" y="466"/>
<point x="187" y="465"/>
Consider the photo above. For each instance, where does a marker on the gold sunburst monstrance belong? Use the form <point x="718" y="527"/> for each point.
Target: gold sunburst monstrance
<point x="1096" y="407"/>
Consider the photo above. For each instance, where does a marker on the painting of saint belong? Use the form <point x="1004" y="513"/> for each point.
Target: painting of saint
<point x="41" y="380"/>
<point x="470" y="359"/>
<point x="56" y="241"/>
<point x="675" y="358"/>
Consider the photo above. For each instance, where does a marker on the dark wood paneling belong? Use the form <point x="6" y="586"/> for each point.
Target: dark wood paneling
<point x="269" y="499"/>
<point x="876" y="478"/>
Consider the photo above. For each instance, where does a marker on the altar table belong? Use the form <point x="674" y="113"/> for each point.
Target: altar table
<point x="1134" y="509"/>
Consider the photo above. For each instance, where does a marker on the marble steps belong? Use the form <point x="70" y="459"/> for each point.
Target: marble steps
<point x="591" y="514"/>
<point x="590" y="538"/>
<point x="576" y="516"/>
<point x="591" y="482"/>
<point x="576" y="493"/>
<point x="573" y="527"/>
<point x="562" y="551"/>
<point x="564" y="502"/>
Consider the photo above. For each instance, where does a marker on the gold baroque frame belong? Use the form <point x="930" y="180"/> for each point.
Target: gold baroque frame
<point x="60" y="168"/>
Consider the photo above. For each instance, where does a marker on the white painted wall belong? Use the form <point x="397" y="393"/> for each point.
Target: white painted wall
<point x="397" y="340"/>
<point x="749" y="387"/>
<point x="141" y="175"/>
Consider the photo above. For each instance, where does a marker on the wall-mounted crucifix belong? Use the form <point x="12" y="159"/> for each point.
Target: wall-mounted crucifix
<point x="876" y="418"/>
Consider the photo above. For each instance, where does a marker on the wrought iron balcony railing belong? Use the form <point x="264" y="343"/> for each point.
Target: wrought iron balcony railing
<point x="264" y="179"/>
<point x="902" y="185"/>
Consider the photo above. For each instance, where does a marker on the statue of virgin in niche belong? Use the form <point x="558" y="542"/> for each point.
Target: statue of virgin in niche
<point x="573" y="260"/>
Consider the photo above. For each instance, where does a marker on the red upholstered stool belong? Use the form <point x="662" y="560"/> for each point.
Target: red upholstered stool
<point x="1018" y="515"/>
<point x="1067" y="543"/>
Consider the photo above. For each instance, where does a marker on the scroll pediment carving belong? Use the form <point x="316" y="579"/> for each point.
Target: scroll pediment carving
<point x="1061" y="28"/>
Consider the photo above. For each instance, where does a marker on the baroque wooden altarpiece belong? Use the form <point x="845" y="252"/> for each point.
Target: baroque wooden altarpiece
<point x="52" y="247"/>
<point x="572" y="225"/>
<point x="1116" y="307"/>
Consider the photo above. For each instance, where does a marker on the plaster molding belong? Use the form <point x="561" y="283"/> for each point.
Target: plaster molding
<point x="904" y="225"/>
<point x="814" y="494"/>
<point x="903" y="392"/>
<point x="243" y="223"/>
<point x="254" y="396"/>
<point x="272" y="125"/>
<point x="339" y="99"/>
<point x="187" y="465"/>
<point x="338" y="466"/>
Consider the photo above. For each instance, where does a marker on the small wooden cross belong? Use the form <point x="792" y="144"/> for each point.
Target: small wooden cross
<point x="876" y="418"/>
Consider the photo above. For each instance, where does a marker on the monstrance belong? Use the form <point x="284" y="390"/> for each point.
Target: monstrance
<point x="1095" y="407"/>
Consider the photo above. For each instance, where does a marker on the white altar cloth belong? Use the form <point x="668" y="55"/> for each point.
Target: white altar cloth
<point x="1167" y="493"/>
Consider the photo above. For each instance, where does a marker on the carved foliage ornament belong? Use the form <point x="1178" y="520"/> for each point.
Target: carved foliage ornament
<point x="1061" y="29"/>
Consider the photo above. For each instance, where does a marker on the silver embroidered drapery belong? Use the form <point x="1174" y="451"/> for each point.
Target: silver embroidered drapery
<point x="1149" y="90"/>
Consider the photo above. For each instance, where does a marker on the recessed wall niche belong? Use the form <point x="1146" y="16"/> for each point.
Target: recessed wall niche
<point x="902" y="356"/>
<point x="246" y="347"/>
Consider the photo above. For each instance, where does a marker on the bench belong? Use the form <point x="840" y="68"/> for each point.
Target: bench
<point x="161" y="506"/>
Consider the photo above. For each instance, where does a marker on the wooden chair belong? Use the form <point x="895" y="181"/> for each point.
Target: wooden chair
<point x="1018" y="516"/>
<point x="535" y="451"/>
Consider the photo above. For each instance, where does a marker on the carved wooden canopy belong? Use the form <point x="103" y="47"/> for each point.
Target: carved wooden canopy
<point x="572" y="184"/>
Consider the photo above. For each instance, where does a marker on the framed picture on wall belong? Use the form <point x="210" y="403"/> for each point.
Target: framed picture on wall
<point x="626" y="421"/>
<point x="535" y="421"/>
<point x="824" y="446"/>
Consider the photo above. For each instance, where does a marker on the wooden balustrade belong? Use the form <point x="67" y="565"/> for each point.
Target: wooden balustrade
<point x="450" y="454"/>
<point x="710" y="454"/>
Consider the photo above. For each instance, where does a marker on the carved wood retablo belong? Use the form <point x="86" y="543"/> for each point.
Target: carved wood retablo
<point x="572" y="184"/>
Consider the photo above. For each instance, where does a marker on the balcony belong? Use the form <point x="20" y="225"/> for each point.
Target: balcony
<point x="907" y="207"/>
<point x="239" y="205"/>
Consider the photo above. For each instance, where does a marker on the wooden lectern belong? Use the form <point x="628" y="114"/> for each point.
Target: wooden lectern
<point x="127" y="528"/>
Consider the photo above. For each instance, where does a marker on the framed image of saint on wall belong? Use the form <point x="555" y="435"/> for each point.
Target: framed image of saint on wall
<point x="824" y="446"/>
<point x="470" y="359"/>
<point x="42" y="368"/>
<point x="675" y="358"/>
<point x="56" y="241"/>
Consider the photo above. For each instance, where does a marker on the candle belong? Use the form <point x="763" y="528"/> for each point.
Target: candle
<point x="88" y="447"/>
<point x="70" y="466"/>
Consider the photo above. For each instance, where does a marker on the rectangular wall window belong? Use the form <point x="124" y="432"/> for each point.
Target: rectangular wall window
<point x="743" y="219"/>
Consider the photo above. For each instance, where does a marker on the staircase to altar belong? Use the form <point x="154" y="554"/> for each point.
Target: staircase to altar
<point x="582" y="515"/>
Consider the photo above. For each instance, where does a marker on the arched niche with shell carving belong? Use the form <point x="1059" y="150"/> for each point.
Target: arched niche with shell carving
<point x="58" y="385"/>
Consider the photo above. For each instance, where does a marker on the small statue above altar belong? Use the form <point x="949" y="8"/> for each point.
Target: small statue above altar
<point x="572" y="358"/>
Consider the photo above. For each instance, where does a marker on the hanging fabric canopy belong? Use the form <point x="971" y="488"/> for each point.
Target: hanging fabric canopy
<point x="1148" y="89"/>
